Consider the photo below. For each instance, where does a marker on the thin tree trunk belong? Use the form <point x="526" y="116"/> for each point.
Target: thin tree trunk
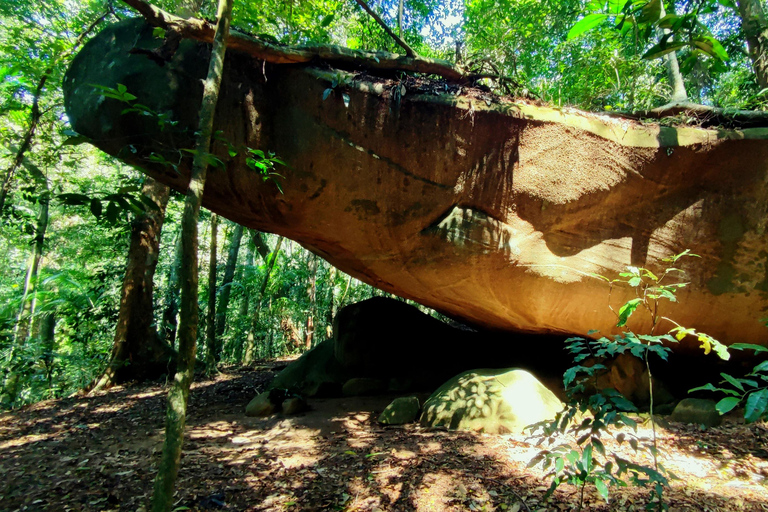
<point x="171" y="310"/>
<point x="210" y="334"/>
<point x="312" y="294"/>
<point x="250" y="343"/>
<point x="330" y="313"/>
<point x="226" y="287"/>
<point x="755" y="28"/>
<point x="137" y="351"/>
<point x="673" y="70"/>
<point x="47" y="341"/>
<point x="162" y="499"/>
<point x="245" y="278"/>
<point x="27" y="309"/>
<point x="400" y="18"/>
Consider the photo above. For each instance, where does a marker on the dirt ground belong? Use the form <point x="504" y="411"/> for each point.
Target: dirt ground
<point x="100" y="452"/>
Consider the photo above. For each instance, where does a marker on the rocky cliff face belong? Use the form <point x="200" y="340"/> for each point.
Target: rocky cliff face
<point x="492" y="211"/>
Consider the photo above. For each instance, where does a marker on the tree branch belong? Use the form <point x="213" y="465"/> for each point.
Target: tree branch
<point x="408" y="50"/>
<point x="202" y="30"/>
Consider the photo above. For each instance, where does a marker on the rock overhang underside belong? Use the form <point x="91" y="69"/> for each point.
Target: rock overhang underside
<point x="493" y="211"/>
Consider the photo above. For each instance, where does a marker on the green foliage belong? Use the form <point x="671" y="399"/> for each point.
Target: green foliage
<point x="588" y="417"/>
<point x="750" y="390"/>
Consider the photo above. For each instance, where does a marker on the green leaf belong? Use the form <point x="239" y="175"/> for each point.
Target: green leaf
<point x="711" y="46"/>
<point x="327" y="93"/>
<point x="585" y="24"/>
<point x="602" y="489"/>
<point x="113" y="212"/>
<point x="74" y="199"/>
<point x="661" y="49"/>
<point x="706" y="387"/>
<point x="727" y="404"/>
<point x="733" y="381"/>
<point x="327" y="20"/>
<point x="749" y="346"/>
<point x="756" y="405"/>
<point x="650" y="12"/>
<point x="626" y="311"/>
<point x="96" y="207"/>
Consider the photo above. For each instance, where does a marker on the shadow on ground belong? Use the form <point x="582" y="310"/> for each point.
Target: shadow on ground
<point x="99" y="453"/>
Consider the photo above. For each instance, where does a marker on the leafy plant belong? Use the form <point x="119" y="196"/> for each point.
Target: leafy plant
<point x="338" y="81"/>
<point x="264" y="164"/>
<point x="751" y="390"/>
<point x="589" y="419"/>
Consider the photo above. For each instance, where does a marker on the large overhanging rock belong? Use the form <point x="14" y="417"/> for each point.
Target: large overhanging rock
<point x="492" y="211"/>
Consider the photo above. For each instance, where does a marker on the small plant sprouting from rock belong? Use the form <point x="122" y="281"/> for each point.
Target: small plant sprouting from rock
<point x="588" y="418"/>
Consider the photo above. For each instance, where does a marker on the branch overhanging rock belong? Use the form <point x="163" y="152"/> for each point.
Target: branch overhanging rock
<point x="203" y="30"/>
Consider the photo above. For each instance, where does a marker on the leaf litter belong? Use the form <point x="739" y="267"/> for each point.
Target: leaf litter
<point x="100" y="453"/>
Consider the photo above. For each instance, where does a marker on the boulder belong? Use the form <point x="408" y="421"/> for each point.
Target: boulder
<point x="491" y="401"/>
<point x="698" y="411"/>
<point x="382" y="344"/>
<point x="317" y="373"/>
<point x="400" y="411"/>
<point x="628" y="375"/>
<point x="493" y="210"/>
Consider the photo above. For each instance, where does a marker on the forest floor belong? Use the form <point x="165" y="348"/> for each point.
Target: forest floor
<point x="99" y="453"/>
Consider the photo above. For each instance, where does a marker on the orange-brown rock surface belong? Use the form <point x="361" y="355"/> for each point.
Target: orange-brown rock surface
<point x="493" y="211"/>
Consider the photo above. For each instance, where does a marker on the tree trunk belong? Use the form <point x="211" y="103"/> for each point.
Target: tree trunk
<point x="400" y="18"/>
<point x="673" y="70"/>
<point x="47" y="341"/>
<point x="755" y="29"/>
<point x="226" y="287"/>
<point x="137" y="352"/>
<point x="245" y="278"/>
<point x="330" y="313"/>
<point x="312" y="295"/>
<point x="250" y="343"/>
<point x="210" y="330"/>
<point x="162" y="499"/>
<point x="171" y="310"/>
<point x="27" y="309"/>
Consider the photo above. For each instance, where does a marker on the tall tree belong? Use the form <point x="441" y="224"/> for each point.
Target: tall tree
<point x="170" y="320"/>
<point x="250" y="344"/>
<point x="178" y="395"/>
<point x="28" y="302"/>
<point x="138" y="352"/>
<point x="210" y="326"/>
<point x="753" y="23"/>
<point x="309" y="332"/>
<point x="226" y="287"/>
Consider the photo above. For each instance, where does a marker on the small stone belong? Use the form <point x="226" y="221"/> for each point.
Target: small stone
<point x="698" y="411"/>
<point x="294" y="405"/>
<point x="266" y="403"/>
<point x="401" y="411"/>
<point x="360" y="386"/>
